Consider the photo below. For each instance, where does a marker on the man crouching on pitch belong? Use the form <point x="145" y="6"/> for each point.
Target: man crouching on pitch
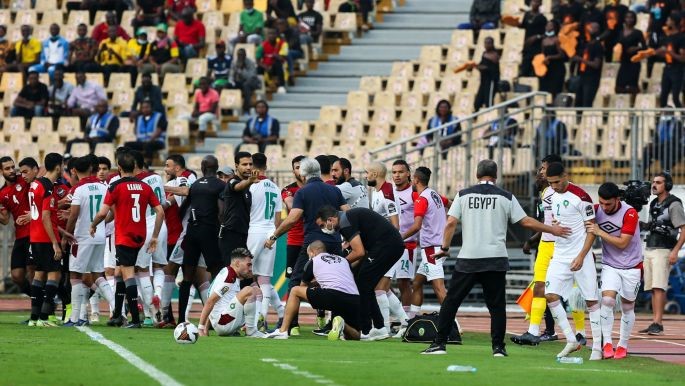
<point x="336" y="292"/>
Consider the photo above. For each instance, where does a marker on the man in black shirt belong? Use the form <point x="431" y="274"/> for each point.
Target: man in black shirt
<point x="589" y="62"/>
<point x="313" y="20"/>
<point x="32" y="99"/>
<point x="204" y="204"/>
<point x="237" y="202"/>
<point x="147" y="91"/>
<point x="672" y="49"/>
<point x="375" y="246"/>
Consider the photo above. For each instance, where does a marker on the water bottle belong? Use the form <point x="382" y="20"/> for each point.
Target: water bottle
<point x="571" y="360"/>
<point x="461" y="369"/>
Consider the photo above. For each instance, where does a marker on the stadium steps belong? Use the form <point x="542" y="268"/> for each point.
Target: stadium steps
<point x="398" y="37"/>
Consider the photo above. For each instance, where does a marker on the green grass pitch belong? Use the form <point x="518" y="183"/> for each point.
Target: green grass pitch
<point x="66" y="356"/>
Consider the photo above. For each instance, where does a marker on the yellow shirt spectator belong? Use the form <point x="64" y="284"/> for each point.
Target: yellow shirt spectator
<point x="28" y="52"/>
<point x="136" y="49"/>
<point x="118" y="47"/>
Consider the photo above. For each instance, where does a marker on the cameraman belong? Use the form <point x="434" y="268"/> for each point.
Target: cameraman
<point x="666" y="217"/>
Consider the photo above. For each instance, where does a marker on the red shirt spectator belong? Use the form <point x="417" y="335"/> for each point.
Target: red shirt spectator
<point x="100" y="32"/>
<point x="269" y="51"/>
<point x="192" y="33"/>
<point x="175" y="7"/>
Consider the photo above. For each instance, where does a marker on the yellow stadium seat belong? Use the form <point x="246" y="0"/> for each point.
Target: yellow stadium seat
<point x="451" y="84"/>
<point x="12" y="125"/>
<point x="5" y="17"/>
<point x="345" y="22"/>
<point x="606" y="88"/>
<point x="610" y="70"/>
<point x="46" y="5"/>
<point x="40" y="126"/>
<point x="402" y="69"/>
<point x="122" y="99"/>
<point x="457" y="55"/>
<point x="30" y="150"/>
<point x="414" y="115"/>
<point x="295" y="146"/>
<point x="231" y="6"/>
<point x="397" y="84"/>
<point x="231" y="100"/>
<point x="321" y="146"/>
<point x="298" y="129"/>
<point x="463" y="103"/>
<point x="47" y="141"/>
<point x="379" y="133"/>
<point x="330" y="114"/>
<point x="352" y="130"/>
<point x="10" y="96"/>
<point x="513" y="38"/>
<point x="403" y="130"/>
<point x="12" y="81"/>
<point x="424" y="85"/>
<point x="412" y="100"/>
<point x="126" y="130"/>
<point x="204" y="6"/>
<point x="78" y="17"/>
<point x="96" y="77"/>
<point x="357" y="113"/>
<point x="436" y="97"/>
<point x="509" y="70"/>
<point x="195" y="162"/>
<point x="462" y="38"/>
<point x="101" y="17"/>
<point x="174" y="82"/>
<point x="119" y="81"/>
<point x="69" y="127"/>
<point x="274" y="153"/>
<point x="429" y="70"/>
<point x="384" y="115"/>
<point x="357" y="98"/>
<point x="620" y="101"/>
<point x="324" y="129"/>
<point x="53" y="15"/>
<point x="249" y="147"/>
<point x="213" y="20"/>
<point x="431" y="54"/>
<point x="26" y="16"/>
<point x="19" y="139"/>
<point x="385" y="99"/>
<point x="104" y="149"/>
<point x="178" y="129"/>
<point x="370" y="84"/>
<point x="226" y="151"/>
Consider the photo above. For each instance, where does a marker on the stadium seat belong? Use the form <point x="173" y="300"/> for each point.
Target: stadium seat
<point x="96" y="77"/>
<point x="462" y="38"/>
<point x="231" y="6"/>
<point x="204" y="6"/>
<point x="51" y="16"/>
<point x="69" y="127"/>
<point x="14" y="125"/>
<point x="45" y="5"/>
<point x="79" y="149"/>
<point x="384" y="115"/>
<point x="119" y="81"/>
<point x="429" y="70"/>
<point x="295" y="146"/>
<point x="196" y="68"/>
<point x="324" y="129"/>
<point x="78" y="17"/>
<point x="249" y="147"/>
<point x="232" y="28"/>
<point x="122" y="99"/>
<point x="126" y="131"/>
<point x="12" y="81"/>
<point x="357" y="98"/>
<point x="321" y="146"/>
<point x="330" y="114"/>
<point x="436" y="97"/>
<point x="457" y="55"/>
<point x="412" y="100"/>
<point x="174" y="82"/>
<point x="403" y="130"/>
<point x="424" y="85"/>
<point x="5" y="17"/>
<point x="402" y="69"/>
<point x="194" y="162"/>
<point x="397" y="84"/>
<point x="414" y="115"/>
<point x="41" y="32"/>
<point x="431" y="54"/>
<point x="155" y="80"/>
<point x="345" y="22"/>
<point x="351" y="130"/>
<point x="212" y="21"/>
<point x="379" y="134"/>
<point x="370" y="84"/>
<point x="10" y="96"/>
<point x="274" y="153"/>
<point x="231" y="100"/>
<point x="29" y="150"/>
<point x="384" y="99"/>
<point x="40" y="126"/>
<point x="47" y="141"/>
<point x="101" y="17"/>
<point x="451" y="84"/>
<point x="298" y="129"/>
<point x="610" y="70"/>
<point x="26" y="16"/>
<point x="250" y="50"/>
<point x="357" y="113"/>
<point x="105" y="149"/>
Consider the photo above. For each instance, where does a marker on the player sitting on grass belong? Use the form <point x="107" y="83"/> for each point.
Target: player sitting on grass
<point x="337" y="292"/>
<point x="228" y="307"/>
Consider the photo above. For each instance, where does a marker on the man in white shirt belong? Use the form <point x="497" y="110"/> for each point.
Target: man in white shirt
<point x="353" y="191"/>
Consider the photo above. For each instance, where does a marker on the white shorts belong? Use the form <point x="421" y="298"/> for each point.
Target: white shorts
<point x="234" y="312"/>
<point x="431" y="269"/>
<point x="624" y="281"/>
<point x="263" y="258"/>
<point x="110" y="253"/>
<point x="159" y="256"/>
<point x="560" y="278"/>
<point x="405" y="268"/>
<point x="89" y="258"/>
<point x="177" y="254"/>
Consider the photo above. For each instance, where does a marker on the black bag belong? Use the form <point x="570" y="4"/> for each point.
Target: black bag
<point x="424" y="329"/>
<point x="573" y="84"/>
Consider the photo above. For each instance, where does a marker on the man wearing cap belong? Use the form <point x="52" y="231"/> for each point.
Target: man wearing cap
<point x="140" y="53"/>
<point x="218" y="66"/>
<point x="225" y="174"/>
<point x="164" y="53"/>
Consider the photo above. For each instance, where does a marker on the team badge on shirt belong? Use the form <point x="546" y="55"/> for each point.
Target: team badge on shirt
<point x="224" y="290"/>
<point x="589" y="210"/>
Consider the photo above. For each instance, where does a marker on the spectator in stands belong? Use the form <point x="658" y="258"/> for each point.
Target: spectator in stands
<point x="113" y="55"/>
<point x="261" y="129"/>
<point x="659" y="10"/>
<point x="443" y="115"/>
<point x="219" y="66"/>
<point x="101" y="127"/>
<point x="533" y="23"/>
<point x="591" y="14"/>
<point x="175" y="7"/>
<point x="484" y="14"/>
<point x="147" y="91"/>
<point x="206" y="109"/>
<point x="101" y="31"/>
<point x="311" y="24"/>
<point x="27" y="50"/>
<point x="489" y="75"/>
<point x="190" y="35"/>
<point x="349" y="6"/>
<point x="588" y="61"/>
<point x="82" y="51"/>
<point x="569" y="12"/>
<point x="672" y="49"/>
<point x="280" y="9"/>
<point x="553" y="81"/>
<point x="54" y="52"/>
<point x="139" y="49"/>
<point x="5" y="49"/>
<point x="614" y="20"/>
<point x="551" y="137"/>
<point x="118" y="6"/>
<point x="164" y="54"/>
<point x="291" y="36"/>
<point x="59" y="92"/>
<point x="251" y="25"/>
<point x="32" y="99"/>
<point x="85" y="96"/>
<point x="150" y="132"/>
<point x="632" y="40"/>
<point x="148" y="13"/>
<point x="271" y="56"/>
<point x="243" y="76"/>
<point x="494" y="135"/>
<point x="668" y="143"/>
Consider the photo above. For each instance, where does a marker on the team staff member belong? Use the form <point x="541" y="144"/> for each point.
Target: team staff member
<point x="666" y="217"/>
<point x="296" y="233"/>
<point x="205" y="203"/>
<point x="131" y="199"/>
<point x="376" y="246"/>
<point x="14" y="201"/>
<point x="484" y="210"/>
<point x="543" y="257"/>
<point x="314" y="195"/>
<point x="237" y="202"/>
<point x="45" y="242"/>
<point x="618" y="227"/>
<point x="336" y="291"/>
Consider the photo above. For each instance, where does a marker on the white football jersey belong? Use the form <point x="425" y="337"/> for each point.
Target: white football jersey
<point x="88" y="196"/>
<point x="157" y="184"/>
<point x="383" y="201"/>
<point x="109" y="228"/>
<point x="571" y="209"/>
<point x="226" y="285"/>
<point x="266" y="203"/>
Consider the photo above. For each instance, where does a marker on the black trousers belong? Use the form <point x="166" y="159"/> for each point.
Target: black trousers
<point x="228" y="242"/>
<point x="587" y="91"/>
<point x="372" y="268"/>
<point x="292" y="253"/>
<point x="671" y="83"/>
<point x="494" y="283"/>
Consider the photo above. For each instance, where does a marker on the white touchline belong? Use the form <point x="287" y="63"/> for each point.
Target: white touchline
<point x="131" y="358"/>
<point x="302" y="373"/>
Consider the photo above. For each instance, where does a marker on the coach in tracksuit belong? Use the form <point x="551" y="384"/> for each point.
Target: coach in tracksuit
<point x="485" y="211"/>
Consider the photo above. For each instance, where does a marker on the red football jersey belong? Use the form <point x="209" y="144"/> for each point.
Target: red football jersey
<point x="296" y="233"/>
<point x="131" y="199"/>
<point x="15" y="198"/>
<point x="61" y="190"/>
<point x="174" y="225"/>
<point x="42" y="197"/>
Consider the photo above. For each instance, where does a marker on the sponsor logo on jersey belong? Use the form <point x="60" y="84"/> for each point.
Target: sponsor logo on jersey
<point x="609" y="227"/>
<point x="589" y="210"/>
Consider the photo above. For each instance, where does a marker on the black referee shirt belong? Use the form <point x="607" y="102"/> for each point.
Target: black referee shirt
<point x="373" y="229"/>
<point x="203" y="198"/>
<point x="236" y="207"/>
